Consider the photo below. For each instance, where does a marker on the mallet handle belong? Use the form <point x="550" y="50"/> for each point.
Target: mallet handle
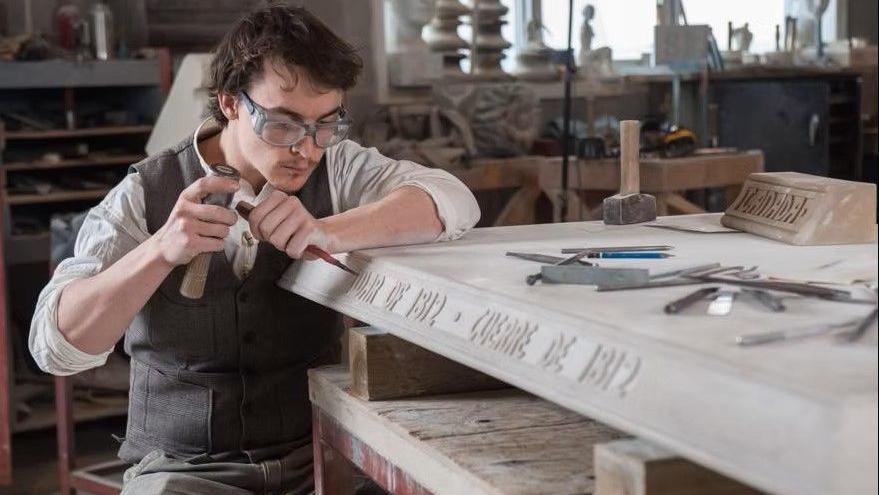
<point x="192" y="285"/>
<point x="195" y="277"/>
<point x="630" y="136"/>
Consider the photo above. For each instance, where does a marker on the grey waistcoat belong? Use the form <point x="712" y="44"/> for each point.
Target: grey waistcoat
<point x="223" y="377"/>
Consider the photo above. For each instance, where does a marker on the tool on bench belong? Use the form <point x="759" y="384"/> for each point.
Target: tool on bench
<point x="684" y="271"/>
<point x="798" y="333"/>
<point x="766" y="298"/>
<point x="629" y="255"/>
<point x="243" y="208"/>
<point x="859" y="327"/>
<point x="592" y="275"/>
<point x="543" y="258"/>
<point x="654" y="281"/>
<point x="533" y="278"/>
<point x="614" y="249"/>
<point x="652" y="284"/>
<point x="192" y="285"/>
<point x="795" y="288"/>
<point x="722" y="303"/>
<point x="685" y="302"/>
<point x="629" y="206"/>
<point x="747" y="273"/>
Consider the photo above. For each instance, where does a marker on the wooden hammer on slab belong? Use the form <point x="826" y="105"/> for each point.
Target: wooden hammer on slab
<point x="629" y="206"/>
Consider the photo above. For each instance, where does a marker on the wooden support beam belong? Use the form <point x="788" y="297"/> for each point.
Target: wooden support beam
<point x="637" y="467"/>
<point x="387" y="367"/>
<point x="682" y="205"/>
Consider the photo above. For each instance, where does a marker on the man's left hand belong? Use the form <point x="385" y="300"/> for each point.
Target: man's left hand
<point x="283" y="221"/>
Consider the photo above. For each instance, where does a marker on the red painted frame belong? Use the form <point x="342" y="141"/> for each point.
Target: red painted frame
<point x="337" y="452"/>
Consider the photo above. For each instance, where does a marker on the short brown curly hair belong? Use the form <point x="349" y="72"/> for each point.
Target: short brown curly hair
<point x="291" y="35"/>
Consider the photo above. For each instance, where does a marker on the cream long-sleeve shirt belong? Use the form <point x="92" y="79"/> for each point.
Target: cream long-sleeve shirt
<point x="117" y="225"/>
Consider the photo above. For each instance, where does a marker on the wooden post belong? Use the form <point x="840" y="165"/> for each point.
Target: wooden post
<point x="5" y="361"/>
<point x="637" y="467"/>
<point x="65" y="432"/>
<point x="333" y="474"/>
<point x="386" y="367"/>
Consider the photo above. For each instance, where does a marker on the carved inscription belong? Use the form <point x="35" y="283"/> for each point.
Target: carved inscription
<point x="611" y="369"/>
<point x="397" y="292"/>
<point x="772" y="204"/>
<point x="502" y="333"/>
<point x="552" y="359"/>
<point x="366" y="287"/>
<point x="427" y="306"/>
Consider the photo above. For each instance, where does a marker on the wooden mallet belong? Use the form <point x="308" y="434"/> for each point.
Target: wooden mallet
<point x="629" y="206"/>
<point x="196" y="274"/>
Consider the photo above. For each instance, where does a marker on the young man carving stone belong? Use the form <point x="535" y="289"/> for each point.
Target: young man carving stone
<point x="218" y="400"/>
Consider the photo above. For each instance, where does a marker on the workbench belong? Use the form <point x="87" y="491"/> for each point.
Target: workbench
<point x="665" y="178"/>
<point x="792" y="417"/>
<point x="495" y="442"/>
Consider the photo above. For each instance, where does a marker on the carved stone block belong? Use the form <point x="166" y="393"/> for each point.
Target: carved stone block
<point x="804" y="209"/>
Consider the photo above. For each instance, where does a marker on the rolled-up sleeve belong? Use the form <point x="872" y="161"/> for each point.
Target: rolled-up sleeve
<point x="110" y="230"/>
<point x="363" y="175"/>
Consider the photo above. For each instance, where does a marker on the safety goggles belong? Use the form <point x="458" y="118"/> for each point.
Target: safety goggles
<point x="288" y="133"/>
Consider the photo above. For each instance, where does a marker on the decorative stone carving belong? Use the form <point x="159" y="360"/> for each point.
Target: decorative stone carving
<point x="593" y="63"/>
<point x="490" y="45"/>
<point x="535" y="58"/>
<point x="586" y="31"/>
<point x="410" y="61"/>
<point x="442" y="36"/>
<point x="426" y="134"/>
<point x="504" y="117"/>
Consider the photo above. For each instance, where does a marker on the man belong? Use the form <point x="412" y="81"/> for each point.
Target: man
<point x="218" y="399"/>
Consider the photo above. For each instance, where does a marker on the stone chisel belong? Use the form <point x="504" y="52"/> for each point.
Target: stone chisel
<point x="532" y="279"/>
<point x="244" y="208"/>
<point x="683" y="303"/>
<point x="612" y="249"/>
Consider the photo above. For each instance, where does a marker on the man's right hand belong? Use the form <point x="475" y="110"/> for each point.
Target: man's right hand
<point x="193" y="228"/>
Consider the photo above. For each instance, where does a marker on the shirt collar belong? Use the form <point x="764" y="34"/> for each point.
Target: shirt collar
<point x="208" y="128"/>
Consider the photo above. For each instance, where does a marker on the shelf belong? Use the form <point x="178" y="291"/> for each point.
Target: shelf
<point x="55" y="197"/>
<point x="43" y="415"/>
<point x="79" y="162"/>
<point x="28" y="248"/>
<point x="75" y="133"/>
<point x="58" y="73"/>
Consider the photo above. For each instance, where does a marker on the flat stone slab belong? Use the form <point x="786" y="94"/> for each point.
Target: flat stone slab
<point x="792" y="417"/>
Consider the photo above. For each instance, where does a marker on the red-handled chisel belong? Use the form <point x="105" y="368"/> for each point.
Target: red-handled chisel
<point x="243" y="208"/>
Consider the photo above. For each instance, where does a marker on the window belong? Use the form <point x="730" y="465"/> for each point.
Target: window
<point x="626" y="26"/>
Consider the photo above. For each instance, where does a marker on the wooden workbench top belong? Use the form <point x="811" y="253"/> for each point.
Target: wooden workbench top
<point x="794" y="417"/>
<point x="491" y="442"/>
<point x="657" y="174"/>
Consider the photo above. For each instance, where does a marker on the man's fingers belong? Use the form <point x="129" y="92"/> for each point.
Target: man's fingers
<point x="281" y="214"/>
<point x="282" y="234"/>
<point x="208" y="244"/>
<point x="207" y="185"/>
<point x="258" y="214"/>
<point x="212" y="213"/>
<point x="296" y="246"/>
<point x="207" y="229"/>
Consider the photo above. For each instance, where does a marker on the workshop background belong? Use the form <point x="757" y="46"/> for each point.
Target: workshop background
<point x="89" y="87"/>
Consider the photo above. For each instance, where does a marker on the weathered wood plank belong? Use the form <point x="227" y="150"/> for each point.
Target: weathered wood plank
<point x="637" y="467"/>
<point x="493" y="442"/>
<point x="387" y="367"/>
